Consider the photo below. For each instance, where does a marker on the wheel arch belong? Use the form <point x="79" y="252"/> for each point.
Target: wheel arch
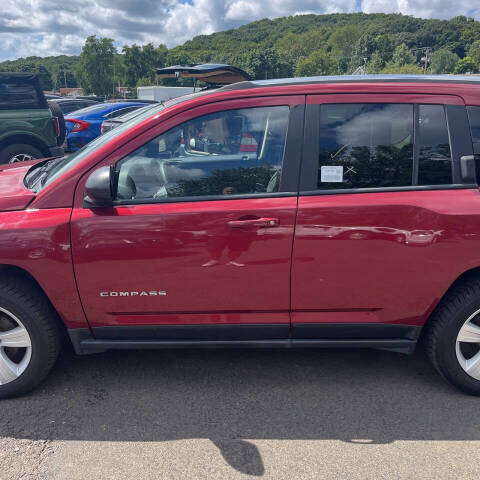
<point x="471" y="274"/>
<point x="7" y="270"/>
<point x="26" y="139"/>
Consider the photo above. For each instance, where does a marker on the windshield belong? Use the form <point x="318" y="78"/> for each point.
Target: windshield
<point x="59" y="168"/>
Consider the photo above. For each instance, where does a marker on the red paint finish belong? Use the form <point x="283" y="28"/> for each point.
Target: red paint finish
<point x="210" y="271"/>
<point x="381" y="257"/>
<point x="373" y="257"/>
<point x="14" y="195"/>
<point x="38" y="241"/>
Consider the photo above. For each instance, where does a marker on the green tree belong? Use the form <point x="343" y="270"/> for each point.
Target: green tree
<point x="384" y="47"/>
<point x="141" y="62"/>
<point x="344" y="41"/>
<point x="402" y="56"/>
<point x="474" y="52"/>
<point x="94" y="70"/>
<point x="443" y="61"/>
<point x="403" y="70"/>
<point x="64" y="77"/>
<point x="375" y="64"/>
<point x="466" y="65"/>
<point x="317" y="63"/>
<point x="266" y="63"/>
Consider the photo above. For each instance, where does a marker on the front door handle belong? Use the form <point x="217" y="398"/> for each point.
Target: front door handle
<point x="255" y="223"/>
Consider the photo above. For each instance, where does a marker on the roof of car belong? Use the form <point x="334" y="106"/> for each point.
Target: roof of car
<point x="471" y="79"/>
<point x="9" y="76"/>
<point x="64" y="99"/>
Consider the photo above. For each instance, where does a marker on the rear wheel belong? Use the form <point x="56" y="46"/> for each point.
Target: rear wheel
<point x="453" y="337"/>
<point x="29" y="337"/>
<point x="19" y="152"/>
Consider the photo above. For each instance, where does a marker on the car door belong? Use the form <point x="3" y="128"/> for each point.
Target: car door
<point x="384" y="185"/>
<point x="198" y="243"/>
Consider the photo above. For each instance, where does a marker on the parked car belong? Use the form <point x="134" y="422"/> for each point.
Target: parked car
<point x="69" y="105"/>
<point x="112" y="123"/>
<point x="29" y="128"/>
<point x="315" y="212"/>
<point x="85" y="124"/>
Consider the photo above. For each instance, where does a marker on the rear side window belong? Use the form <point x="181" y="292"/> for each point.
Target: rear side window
<point x="474" y="117"/>
<point x="122" y="111"/>
<point x="379" y="145"/>
<point x="18" y="95"/>
<point x="365" y="145"/>
<point x="434" y="157"/>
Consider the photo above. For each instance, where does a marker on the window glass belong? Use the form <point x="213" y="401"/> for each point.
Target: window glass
<point x="223" y="153"/>
<point x="434" y="158"/>
<point x="474" y="117"/>
<point x="70" y="161"/>
<point x="365" y="145"/>
<point x="18" y="95"/>
<point x="122" y="111"/>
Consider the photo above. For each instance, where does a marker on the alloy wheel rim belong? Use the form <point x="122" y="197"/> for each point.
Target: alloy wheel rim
<point x="15" y="347"/>
<point x="20" y="157"/>
<point x="468" y="346"/>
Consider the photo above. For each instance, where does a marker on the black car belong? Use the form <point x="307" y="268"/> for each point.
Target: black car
<point x="68" y="105"/>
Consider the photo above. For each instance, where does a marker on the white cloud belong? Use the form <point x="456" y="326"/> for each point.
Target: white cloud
<point x="51" y="27"/>
<point x="442" y="9"/>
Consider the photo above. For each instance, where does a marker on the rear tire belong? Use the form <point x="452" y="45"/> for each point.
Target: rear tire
<point x="23" y="304"/>
<point x="19" y="152"/>
<point x="453" y="337"/>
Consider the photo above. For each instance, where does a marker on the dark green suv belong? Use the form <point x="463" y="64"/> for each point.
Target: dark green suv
<point x="29" y="126"/>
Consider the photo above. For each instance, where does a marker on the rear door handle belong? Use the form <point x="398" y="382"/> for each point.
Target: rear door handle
<point x="255" y="223"/>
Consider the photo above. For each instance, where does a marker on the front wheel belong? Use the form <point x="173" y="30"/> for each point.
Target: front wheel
<point x="453" y="337"/>
<point x="29" y="337"/>
<point x="19" y="152"/>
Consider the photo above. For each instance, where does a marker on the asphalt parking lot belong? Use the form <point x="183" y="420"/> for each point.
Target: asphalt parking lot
<point x="220" y="414"/>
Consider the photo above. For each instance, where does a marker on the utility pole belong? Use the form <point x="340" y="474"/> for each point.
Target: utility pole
<point x="427" y="51"/>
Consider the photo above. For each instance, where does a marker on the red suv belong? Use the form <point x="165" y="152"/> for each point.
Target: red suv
<point x="317" y="212"/>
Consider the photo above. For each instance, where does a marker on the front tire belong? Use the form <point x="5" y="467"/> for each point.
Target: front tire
<point x="19" y="152"/>
<point x="453" y="337"/>
<point x="29" y="337"/>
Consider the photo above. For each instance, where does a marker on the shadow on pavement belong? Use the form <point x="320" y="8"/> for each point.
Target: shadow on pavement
<point x="231" y="396"/>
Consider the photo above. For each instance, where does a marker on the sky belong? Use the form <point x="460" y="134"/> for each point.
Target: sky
<point x="55" y="27"/>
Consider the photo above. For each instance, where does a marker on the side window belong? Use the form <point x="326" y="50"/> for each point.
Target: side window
<point x="365" y="145"/>
<point x="224" y="153"/>
<point x="68" y="107"/>
<point x="120" y="112"/>
<point x="18" y="95"/>
<point x="474" y="117"/>
<point x="434" y="158"/>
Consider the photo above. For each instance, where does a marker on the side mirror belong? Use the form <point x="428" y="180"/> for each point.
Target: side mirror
<point x="98" y="188"/>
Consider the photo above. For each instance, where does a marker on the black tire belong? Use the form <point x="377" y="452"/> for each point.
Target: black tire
<point x="57" y="112"/>
<point x="458" y="305"/>
<point x="18" y="149"/>
<point x="36" y="314"/>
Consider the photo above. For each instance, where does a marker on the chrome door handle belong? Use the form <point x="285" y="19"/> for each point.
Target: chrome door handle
<point x="254" y="223"/>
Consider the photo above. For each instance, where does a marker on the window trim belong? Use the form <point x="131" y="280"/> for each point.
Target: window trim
<point x="291" y="158"/>
<point x="455" y="115"/>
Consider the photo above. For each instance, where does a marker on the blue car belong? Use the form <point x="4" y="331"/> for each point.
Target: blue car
<point x="84" y="125"/>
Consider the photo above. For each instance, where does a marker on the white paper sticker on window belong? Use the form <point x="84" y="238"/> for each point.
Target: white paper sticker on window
<point x="331" y="173"/>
